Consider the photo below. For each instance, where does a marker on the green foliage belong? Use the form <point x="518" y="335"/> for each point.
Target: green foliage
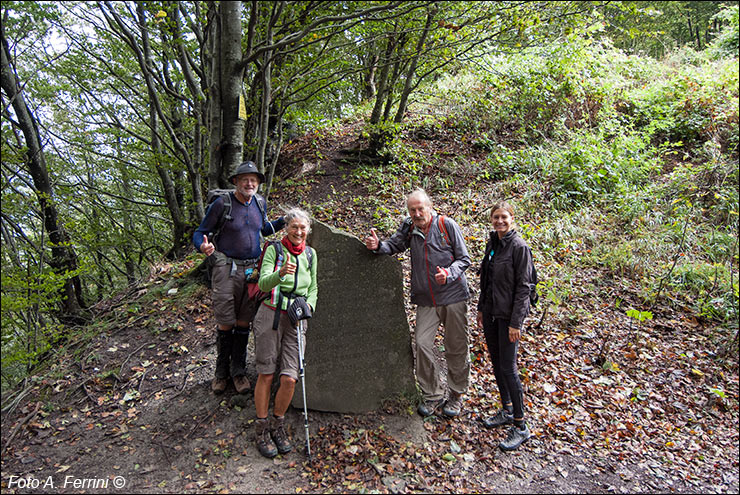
<point x="727" y="43"/>
<point x="385" y="219"/>
<point x="594" y="169"/>
<point x="610" y="156"/>
<point x="383" y="138"/>
<point x="708" y="186"/>
<point x="703" y="279"/>
<point x="532" y="95"/>
<point x="639" y="315"/>
<point x="657" y="27"/>
<point x="26" y="334"/>
<point x="692" y="108"/>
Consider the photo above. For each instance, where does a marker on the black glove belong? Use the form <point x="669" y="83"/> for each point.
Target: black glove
<point x="299" y="310"/>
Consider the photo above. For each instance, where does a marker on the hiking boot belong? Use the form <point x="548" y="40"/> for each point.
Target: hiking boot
<point x="515" y="438"/>
<point x="453" y="406"/>
<point x="218" y="385"/>
<point x="265" y="445"/>
<point x="280" y="436"/>
<point x="241" y="384"/>
<point x="503" y="417"/>
<point x="428" y="407"/>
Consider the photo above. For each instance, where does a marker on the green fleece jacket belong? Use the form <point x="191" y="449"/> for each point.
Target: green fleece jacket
<point x="302" y="283"/>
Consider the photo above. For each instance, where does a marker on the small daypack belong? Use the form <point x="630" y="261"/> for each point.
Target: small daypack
<point x="533" y="296"/>
<point x="443" y="229"/>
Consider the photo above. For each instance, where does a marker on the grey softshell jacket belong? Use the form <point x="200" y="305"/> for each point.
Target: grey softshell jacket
<point x="427" y="253"/>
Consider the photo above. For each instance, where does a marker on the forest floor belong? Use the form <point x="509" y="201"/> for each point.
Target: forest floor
<point x="614" y="407"/>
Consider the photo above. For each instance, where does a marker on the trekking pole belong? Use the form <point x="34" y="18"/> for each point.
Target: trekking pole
<point x="302" y="373"/>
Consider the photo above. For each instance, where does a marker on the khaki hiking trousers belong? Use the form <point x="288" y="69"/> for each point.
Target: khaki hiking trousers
<point x="456" y="343"/>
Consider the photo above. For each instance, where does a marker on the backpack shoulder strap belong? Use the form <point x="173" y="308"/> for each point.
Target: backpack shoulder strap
<point x="309" y="255"/>
<point x="407" y="226"/>
<point x="227" y="206"/>
<point x="443" y="230"/>
<point x="278" y="252"/>
<point x="261" y="205"/>
<point x="225" y="213"/>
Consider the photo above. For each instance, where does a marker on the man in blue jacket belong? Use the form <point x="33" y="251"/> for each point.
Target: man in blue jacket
<point x="439" y="259"/>
<point x="236" y="251"/>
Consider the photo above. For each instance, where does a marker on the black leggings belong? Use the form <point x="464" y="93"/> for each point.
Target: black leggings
<point x="503" y="356"/>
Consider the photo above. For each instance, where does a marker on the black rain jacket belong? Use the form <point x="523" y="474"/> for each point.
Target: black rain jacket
<point x="505" y="274"/>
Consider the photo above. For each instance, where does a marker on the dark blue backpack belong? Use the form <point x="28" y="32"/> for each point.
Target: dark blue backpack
<point x="533" y="296"/>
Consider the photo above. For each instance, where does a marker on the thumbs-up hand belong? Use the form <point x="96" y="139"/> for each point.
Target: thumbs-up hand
<point x="207" y="247"/>
<point x="371" y="241"/>
<point x="441" y="276"/>
<point x="288" y="268"/>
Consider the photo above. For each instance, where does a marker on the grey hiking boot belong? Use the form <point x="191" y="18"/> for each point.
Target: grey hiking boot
<point x="280" y="436"/>
<point x="265" y="445"/>
<point x="514" y="438"/>
<point x="428" y="407"/>
<point x="503" y="417"/>
<point x="454" y="404"/>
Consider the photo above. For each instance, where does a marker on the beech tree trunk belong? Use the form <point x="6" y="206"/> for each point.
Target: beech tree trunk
<point x="265" y="108"/>
<point x="179" y="224"/>
<point x="230" y="81"/>
<point x="63" y="257"/>
<point x="382" y="82"/>
<point x="403" y="102"/>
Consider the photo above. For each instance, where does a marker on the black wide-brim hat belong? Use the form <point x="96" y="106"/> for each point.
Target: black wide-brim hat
<point x="247" y="168"/>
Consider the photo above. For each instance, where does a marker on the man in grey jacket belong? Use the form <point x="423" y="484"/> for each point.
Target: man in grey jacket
<point x="439" y="259"/>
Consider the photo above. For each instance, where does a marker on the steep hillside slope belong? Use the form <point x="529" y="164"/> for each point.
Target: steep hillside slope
<point x="615" y="405"/>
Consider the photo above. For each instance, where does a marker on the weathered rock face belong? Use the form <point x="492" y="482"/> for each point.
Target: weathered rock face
<point x="358" y="349"/>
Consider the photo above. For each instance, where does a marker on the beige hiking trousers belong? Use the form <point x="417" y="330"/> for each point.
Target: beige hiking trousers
<point x="456" y="343"/>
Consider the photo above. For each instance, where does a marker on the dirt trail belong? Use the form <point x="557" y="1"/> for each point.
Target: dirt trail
<point x="156" y="427"/>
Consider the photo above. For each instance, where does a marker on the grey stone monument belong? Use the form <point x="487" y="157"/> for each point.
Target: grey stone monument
<point x="358" y="350"/>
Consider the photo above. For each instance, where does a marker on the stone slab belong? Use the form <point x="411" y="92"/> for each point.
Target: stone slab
<point x="358" y="350"/>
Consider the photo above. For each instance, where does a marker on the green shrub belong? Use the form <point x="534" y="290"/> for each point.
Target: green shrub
<point x="383" y="138"/>
<point x="590" y="169"/>
<point x="709" y="284"/>
<point x="686" y="106"/>
<point x="710" y="187"/>
<point x="727" y="43"/>
<point x="528" y="96"/>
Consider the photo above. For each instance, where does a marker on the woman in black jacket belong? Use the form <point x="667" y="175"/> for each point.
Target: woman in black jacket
<point x="504" y="304"/>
